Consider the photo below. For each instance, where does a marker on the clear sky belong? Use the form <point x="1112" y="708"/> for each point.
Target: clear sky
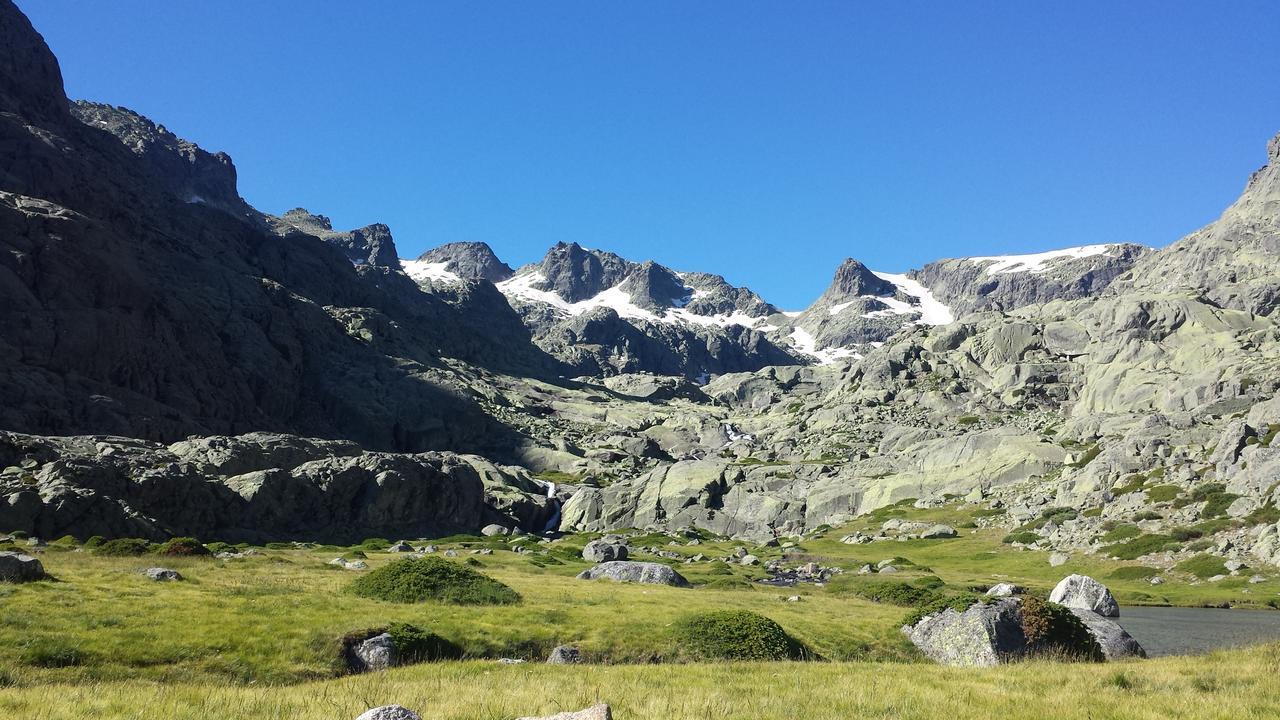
<point x="762" y="141"/>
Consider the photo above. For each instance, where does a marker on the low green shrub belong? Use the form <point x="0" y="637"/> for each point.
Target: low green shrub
<point x="1121" y="532"/>
<point x="124" y="547"/>
<point x="1163" y="493"/>
<point x="414" y="580"/>
<point x="1052" y="629"/>
<point x="52" y="653"/>
<point x="1025" y="537"/>
<point x="734" y="635"/>
<point x="1203" y="566"/>
<point x="94" y="542"/>
<point x="1134" y="572"/>
<point x="1184" y="534"/>
<point x="959" y="602"/>
<point x="182" y="547"/>
<point x="1141" y="545"/>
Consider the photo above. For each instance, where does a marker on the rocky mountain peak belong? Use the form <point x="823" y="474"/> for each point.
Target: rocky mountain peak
<point x="189" y="172"/>
<point x="654" y="287"/>
<point x="368" y="245"/>
<point x="469" y="261"/>
<point x="30" y="78"/>
<point x="853" y="279"/>
<point x="576" y="273"/>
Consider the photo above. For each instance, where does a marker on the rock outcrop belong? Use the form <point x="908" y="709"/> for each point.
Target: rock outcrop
<point x="627" y="571"/>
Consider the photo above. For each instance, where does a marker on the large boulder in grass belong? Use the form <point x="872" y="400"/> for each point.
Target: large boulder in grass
<point x="374" y="654"/>
<point x="18" y="567"/>
<point x="635" y="572"/>
<point x="1116" y="643"/>
<point x="1001" y="631"/>
<point x="1082" y="591"/>
<point x="606" y="549"/>
<point x="390" y="712"/>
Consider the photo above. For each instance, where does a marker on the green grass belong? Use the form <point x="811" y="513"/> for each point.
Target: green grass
<point x="1141" y="545"/>
<point x="1203" y="566"/>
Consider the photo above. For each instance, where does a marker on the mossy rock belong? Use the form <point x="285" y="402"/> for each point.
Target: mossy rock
<point x="414" y="580"/>
<point x="735" y="635"/>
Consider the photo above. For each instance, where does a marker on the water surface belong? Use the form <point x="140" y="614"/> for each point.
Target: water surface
<point x="1181" y="631"/>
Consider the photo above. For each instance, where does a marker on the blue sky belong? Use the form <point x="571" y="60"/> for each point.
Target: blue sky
<point x="762" y="141"/>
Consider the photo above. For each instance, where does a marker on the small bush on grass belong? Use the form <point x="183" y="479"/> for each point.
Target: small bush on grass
<point x="940" y="602"/>
<point x="1122" y="532"/>
<point x="1163" y="493"/>
<point x="412" y="643"/>
<point x="182" y="547"/>
<point x="735" y="635"/>
<point x="1141" y="545"/>
<point x="1148" y="515"/>
<point x="94" y="542"/>
<point x="1134" y="572"/>
<point x="1183" y="534"/>
<point x="1025" y="537"/>
<point x="1052" y="629"/>
<point x="1203" y="566"/>
<point x="414" y="580"/>
<point x="124" y="547"/>
<point x="892" y="592"/>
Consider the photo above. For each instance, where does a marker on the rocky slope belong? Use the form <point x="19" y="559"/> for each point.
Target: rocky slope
<point x="1073" y="392"/>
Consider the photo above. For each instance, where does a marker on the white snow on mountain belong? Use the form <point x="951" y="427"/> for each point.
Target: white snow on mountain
<point x="804" y="342"/>
<point x="521" y="288"/>
<point x="1036" y="262"/>
<point x="932" y="311"/>
<point x="421" y="270"/>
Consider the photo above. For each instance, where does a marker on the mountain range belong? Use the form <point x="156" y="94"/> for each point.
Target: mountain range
<point x="175" y="361"/>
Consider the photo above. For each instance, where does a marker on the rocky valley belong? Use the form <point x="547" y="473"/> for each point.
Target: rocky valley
<point x="175" y="364"/>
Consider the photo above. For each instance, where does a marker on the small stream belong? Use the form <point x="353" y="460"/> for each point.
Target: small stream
<point x="1182" y="631"/>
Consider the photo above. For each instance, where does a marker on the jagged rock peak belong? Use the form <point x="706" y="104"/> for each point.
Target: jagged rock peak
<point x="191" y="173"/>
<point x="30" y="78"/>
<point x="853" y="279"/>
<point x="369" y="245"/>
<point x="469" y="261"/>
<point x="576" y="273"/>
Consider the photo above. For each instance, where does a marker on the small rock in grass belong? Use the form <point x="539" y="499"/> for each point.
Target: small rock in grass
<point x="1058" y="559"/>
<point x="565" y="655"/>
<point x="1003" y="589"/>
<point x="888" y="570"/>
<point x="18" y="567"/>
<point x="390" y="712"/>
<point x="596" y="712"/>
<point x="495" y="529"/>
<point x="160" y="574"/>
<point x="1082" y="591"/>
<point x="401" y="547"/>
<point x="374" y="654"/>
<point x="750" y="560"/>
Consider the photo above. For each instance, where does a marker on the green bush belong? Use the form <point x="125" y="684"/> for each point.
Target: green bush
<point x="94" y="542"/>
<point x="414" y="580"/>
<point x="1183" y="534"/>
<point x="417" y="645"/>
<point x="1163" y="493"/>
<point x="1052" y="629"/>
<point x="66" y="541"/>
<point x="1148" y="515"/>
<point x="892" y="592"/>
<point x="1025" y="537"/>
<point x="967" y="420"/>
<point x="1121" y="532"/>
<point x="939" y="602"/>
<point x="1203" y="566"/>
<point x="1141" y="545"/>
<point x="734" y="635"/>
<point x="124" y="547"/>
<point x="1134" y="572"/>
<point x="182" y="547"/>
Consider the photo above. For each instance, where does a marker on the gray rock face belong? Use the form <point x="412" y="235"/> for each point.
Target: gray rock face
<point x="969" y="285"/>
<point x="160" y="574"/>
<point x="635" y="572"/>
<point x="565" y="655"/>
<point x="374" y="654"/>
<point x="469" y="261"/>
<point x="1116" y="643"/>
<point x="1003" y="590"/>
<point x="253" y="488"/>
<point x="495" y="529"/>
<point x="936" y="532"/>
<point x="389" y="712"/>
<point x="605" y="549"/>
<point x="981" y="636"/>
<point x="595" y="712"/>
<point x="17" y="567"/>
<point x="1082" y="591"/>
<point x="369" y="245"/>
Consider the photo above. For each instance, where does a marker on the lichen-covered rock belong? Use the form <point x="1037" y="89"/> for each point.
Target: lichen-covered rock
<point x="1003" y="630"/>
<point x="160" y="574"/>
<point x="635" y="572"/>
<point x="565" y="655"/>
<point x="17" y="567"/>
<point x="1116" y="643"/>
<point x="374" y="654"/>
<point x="389" y="712"/>
<point x="595" y="712"/>
<point x="1082" y="591"/>
<point x="1003" y="590"/>
<point x="605" y="549"/>
<point x="938" y="531"/>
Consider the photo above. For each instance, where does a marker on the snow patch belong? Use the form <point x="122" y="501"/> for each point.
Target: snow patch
<point x="932" y="311"/>
<point x="420" y="270"/>
<point x="804" y="342"/>
<point x="1036" y="262"/>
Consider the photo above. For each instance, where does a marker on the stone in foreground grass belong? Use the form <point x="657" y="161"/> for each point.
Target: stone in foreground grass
<point x="735" y="635"/>
<point x="414" y="580"/>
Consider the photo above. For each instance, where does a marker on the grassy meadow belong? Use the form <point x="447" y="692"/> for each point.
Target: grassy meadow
<point x="257" y="637"/>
